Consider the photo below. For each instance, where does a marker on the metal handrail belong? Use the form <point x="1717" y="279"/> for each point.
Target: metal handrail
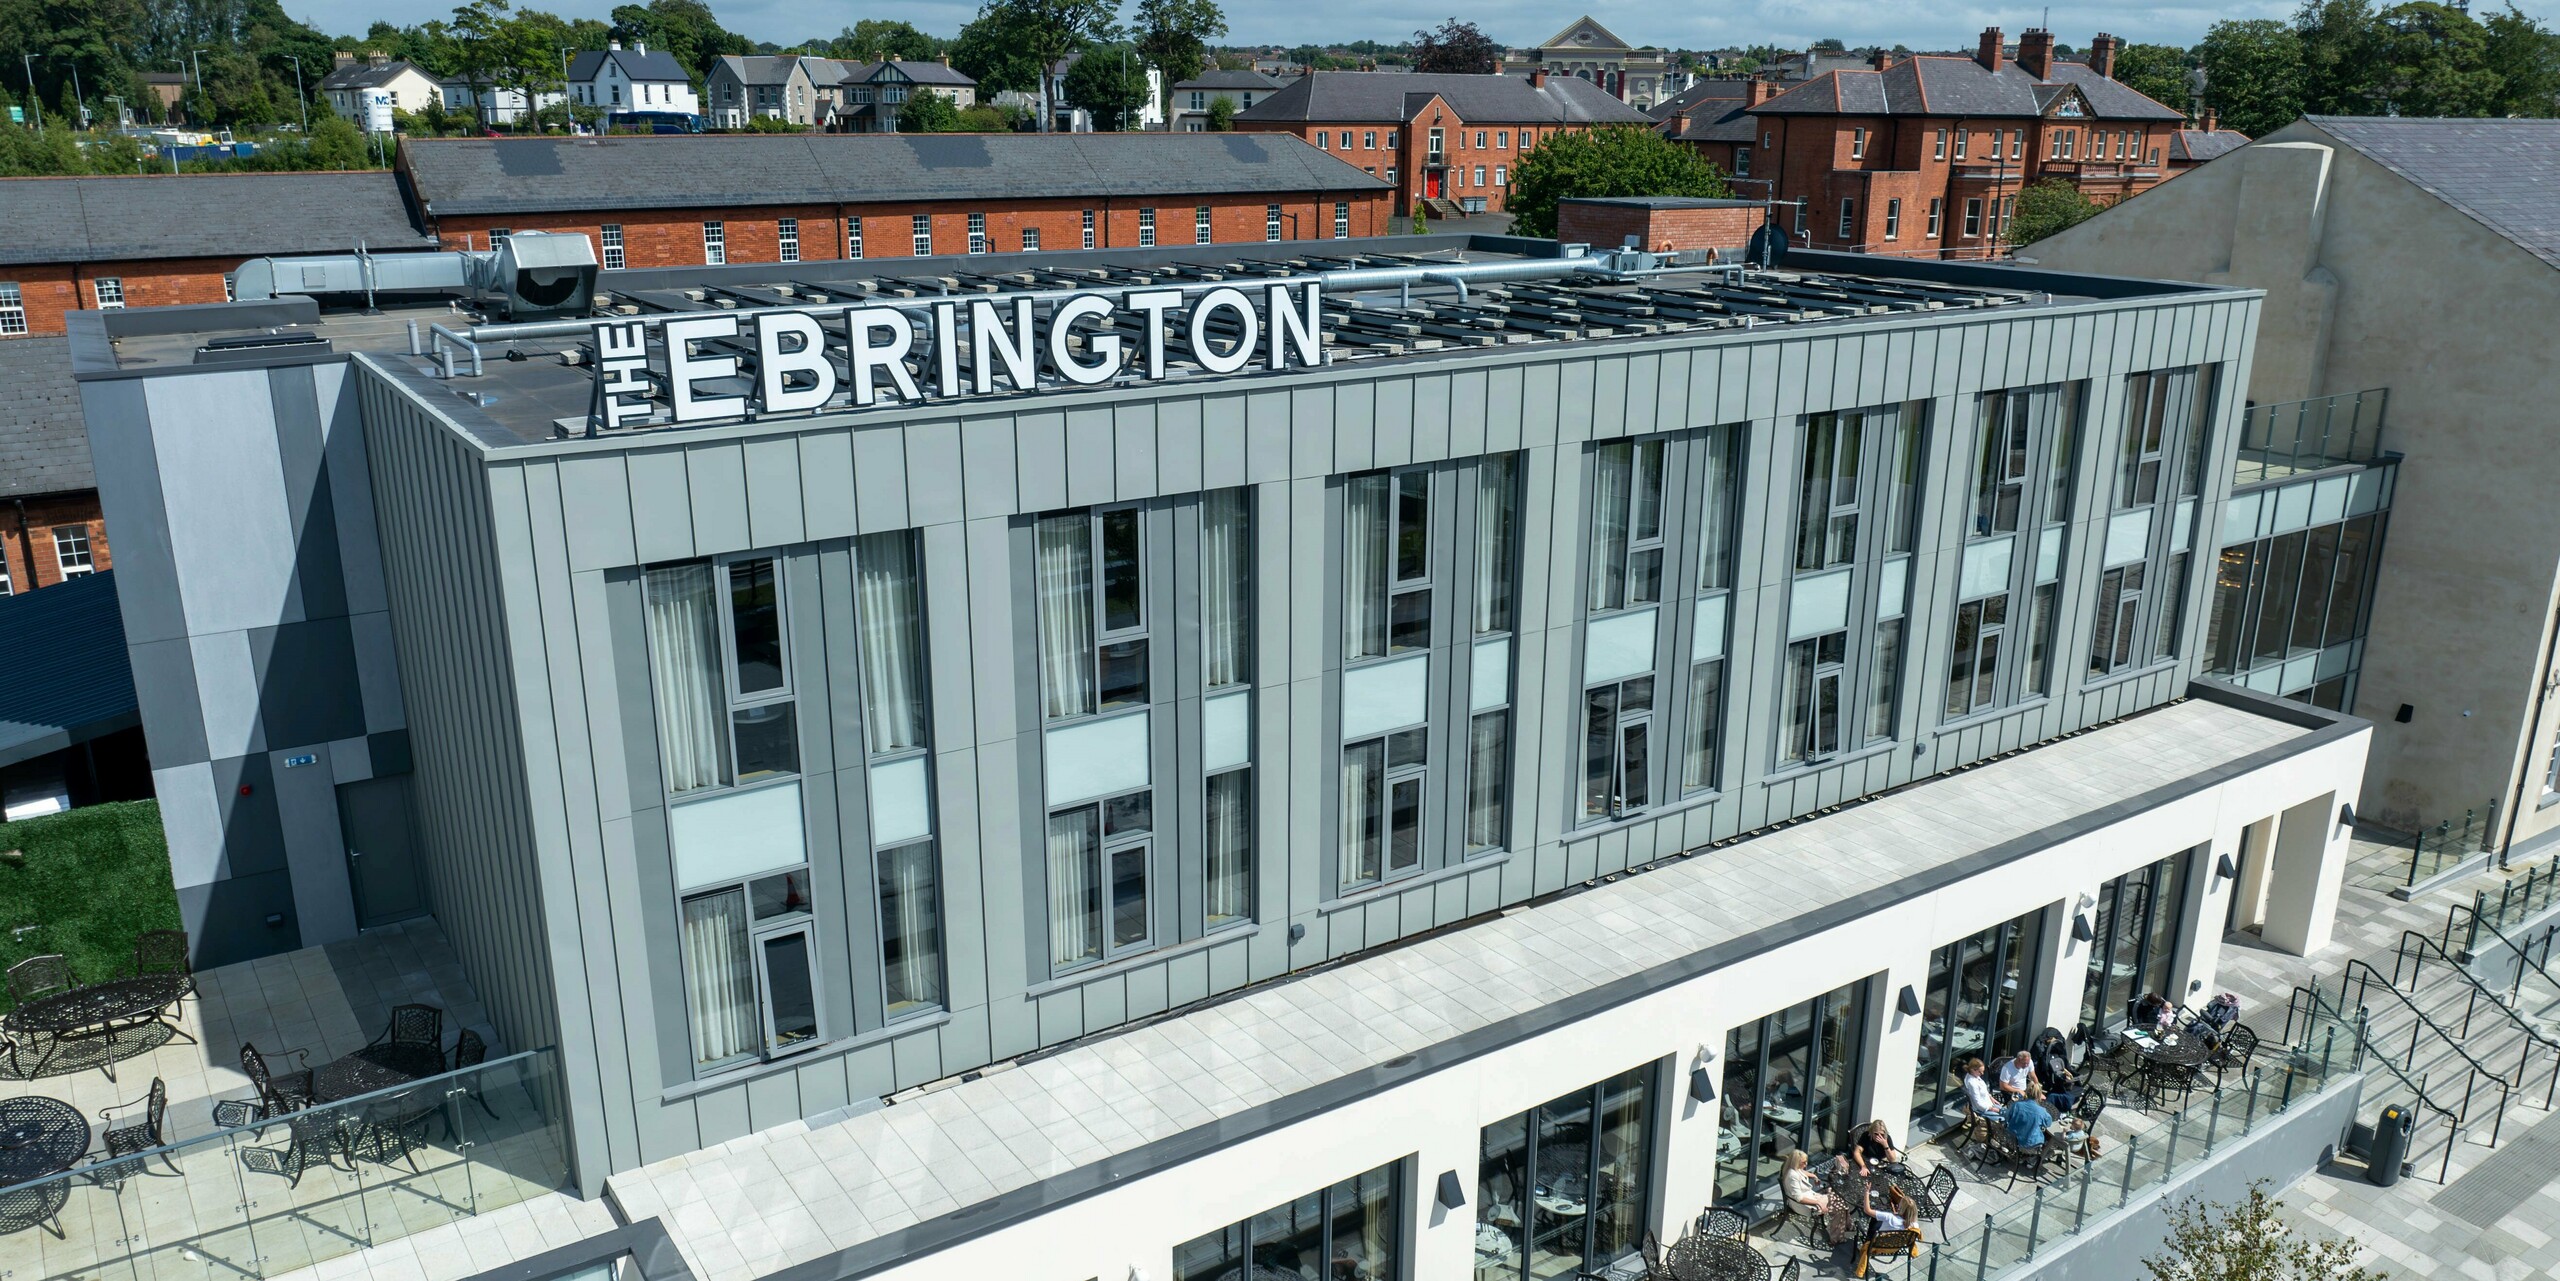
<point x="2415" y="962"/>
<point x="2524" y="960"/>
<point x="2506" y="1090"/>
<point x="2362" y="1026"/>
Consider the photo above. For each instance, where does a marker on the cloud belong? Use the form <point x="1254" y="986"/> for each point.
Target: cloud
<point x="1519" y="23"/>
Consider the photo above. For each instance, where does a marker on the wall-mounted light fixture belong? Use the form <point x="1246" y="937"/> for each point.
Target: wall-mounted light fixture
<point x="1702" y="1085"/>
<point x="1908" y="1002"/>
<point x="2346" y="815"/>
<point x="2080" y="930"/>
<point x="1451" y="1195"/>
<point x="2225" y="870"/>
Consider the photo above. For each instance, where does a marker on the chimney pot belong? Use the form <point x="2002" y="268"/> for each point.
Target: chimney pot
<point x="378" y="59"/>
<point x="345" y="58"/>
<point x="1881" y="59"/>
<point x="1988" y="51"/>
<point x="2035" y="52"/>
<point x="640" y="46"/>
<point x="1538" y="78"/>
<point x="2102" y="55"/>
<point x="2211" y="121"/>
<point x="613" y="46"/>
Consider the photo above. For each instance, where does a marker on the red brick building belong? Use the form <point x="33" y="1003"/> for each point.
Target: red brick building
<point x="1713" y="118"/>
<point x="77" y="244"/>
<point x="1446" y="141"/>
<point x="758" y="198"/>
<point x="1924" y="156"/>
<point x="50" y="525"/>
<point x="1658" y="224"/>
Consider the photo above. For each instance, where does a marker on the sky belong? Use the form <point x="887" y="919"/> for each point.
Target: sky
<point x="1518" y="23"/>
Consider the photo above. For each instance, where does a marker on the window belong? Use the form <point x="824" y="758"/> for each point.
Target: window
<point x="1323" y="139"/>
<point x="1031" y="240"/>
<point x="1939" y="150"/>
<point x="715" y="244"/>
<point x="1146" y="228"/>
<point x="889" y="636"/>
<point x="787" y="233"/>
<point x="1571" y="1177"/>
<point x="1391" y="174"/>
<point x="1271" y="222"/>
<point x="920" y="229"/>
<point x="1226" y="666"/>
<point x="1479" y="139"/>
<point x="1977" y="1005"/>
<point x="721" y="685"/>
<point x="2022" y="461"/>
<point x="2291" y="596"/>
<point x="1200" y="225"/>
<point x="108" y="291"/>
<point x="977" y="233"/>
<point x="2159" y="470"/>
<point x="1502" y="175"/>
<point x="1790" y="1079"/>
<point x="1937" y="213"/>
<point x="2053" y="147"/>
<point x="1893" y="218"/>
<point x="1388" y="587"/>
<point x="1345" y="137"/>
<point x="1972" y="217"/>
<point x="611" y="234"/>
<point x="1369" y="140"/>
<point x="1858" y="143"/>
<point x="71" y="550"/>
<point x="498" y="237"/>
<point x="1502" y="140"/>
<point x="2070" y="142"/>
<point x="1496" y="570"/>
<point x="1479" y="175"/>
<point x="2136" y="943"/>
<point x="2017" y="144"/>
<point x="1742" y="162"/>
<point x="1353" y="1229"/>
<point x="1848" y="216"/>
<point x="1088" y="229"/>
<point x="1961" y="137"/>
<point x="1094" y="626"/>
<point x="1342" y="220"/>
<point x="230" y="287"/>
<point x="853" y="236"/>
<point x="13" y="310"/>
<point x="1852" y="580"/>
<point x="2008" y="206"/>
<point x="1199" y="100"/>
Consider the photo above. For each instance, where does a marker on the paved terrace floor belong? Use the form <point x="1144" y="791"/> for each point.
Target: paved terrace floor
<point x="795" y="1193"/>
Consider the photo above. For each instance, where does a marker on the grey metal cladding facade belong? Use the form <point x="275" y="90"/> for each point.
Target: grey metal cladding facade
<point x="567" y="524"/>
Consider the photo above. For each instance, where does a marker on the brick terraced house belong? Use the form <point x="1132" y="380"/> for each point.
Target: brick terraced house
<point x="1924" y="156"/>
<point x="1444" y="142"/>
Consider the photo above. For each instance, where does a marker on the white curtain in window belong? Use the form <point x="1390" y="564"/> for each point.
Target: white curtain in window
<point x="1611" y="475"/>
<point x="1364" y="567"/>
<point x="911" y="951"/>
<point x="1715" y="512"/>
<point x="1230" y="845"/>
<point x="1066" y="614"/>
<point x="1486" y="785"/>
<point x="1494" y="515"/>
<point x="1223" y="575"/>
<point x="1075" y="894"/>
<point x="684" y="649"/>
<point x="1363" y="775"/>
<point x="890" y="628"/>
<point x="719" y="977"/>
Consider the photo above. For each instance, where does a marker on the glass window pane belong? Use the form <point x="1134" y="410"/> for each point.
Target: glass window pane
<point x="719" y="977"/>
<point x="684" y="676"/>
<point x="1502" y="1199"/>
<point x="1404" y="835"/>
<point x="1363" y="850"/>
<point x="791" y="1001"/>
<point x="1408" y="748"/>
<point x="1126" y="815"/>
<point x="1412" y="621"/>
<point x="1813" y="494"/>
<point x="768" y="742"/>
<point x="1364" y="567"/>
<point x="1902" y="480"/>
<point x="2346" y="602"/>
<point x="1365" y="1227"/>
<point x="1413" y="526"/>
<point x="1561" y="1189"/>
<point x="1129" y="895"/>
<point x="1623" y="1150"/>
<point x="755" y="611"/>
<point x="1612" y="478"/>
<point x="1497" y="540"/>
<point x="2066" y="425"/>
<point x="1885" y="678"/>
<point x="910" y="928"/>
<point x="1635" y="766"/>
<point x="1599" y="750"/>
<point x="889" y="619"/>
<point x="781" y="895"/>
<point x="1488" y="780"/>
<point x="1211" y="1257"/>
<point x="1124" y="674"/>
<point x="1644" y="521"/>
<point x="1075" y="885"/>
<point x="1716" y="508"/>
<point x="1228" y="878"/>
<point x="1225" y="601"/>
<point x="1706" y="711"/>
<point x="1123" y="591"/>
<point x="1065" y="589"/>
<point x="1289" y="1238"/>
<point x="1644" y="577"/>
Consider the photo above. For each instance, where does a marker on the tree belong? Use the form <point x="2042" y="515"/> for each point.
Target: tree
<point x="2156" y="71"/>
<point x="2526" y="58"/>
<point x="1045" y="32"/>
<point x="2253" y="74"/>
<point x="686" y="28"/>
<point x="2436" y="61"/>
<point x="875" y="39"/>
<point x="2047" y="207"/>
<point x="1222" y="114"/>
<point x="2343" y="62"/>
<point x="2249" y="1241"/>
<point x="1111" y="82"/>
<point x="1173" y="37"/>
<point x="985" y="52"/>
<point x="1623" y="160"/>
<point x="1456" y="47"/>
<point x="928" y="112"/>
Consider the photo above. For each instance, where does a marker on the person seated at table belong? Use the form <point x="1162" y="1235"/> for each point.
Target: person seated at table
<point x="1889" y="1208"/>
<point x="1797" y="1181"/>
<point x="2152" y="1013"/>
<point x="2027" y="1117"/>
<point x="1980" y="1108"/>
<point x="1871" y="1148"/>
<point x="2017" y="1074"/>
<point x="2053" y="1068"/>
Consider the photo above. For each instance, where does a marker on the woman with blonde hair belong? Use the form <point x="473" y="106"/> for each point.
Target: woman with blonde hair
<point x="1797" y="1181"/>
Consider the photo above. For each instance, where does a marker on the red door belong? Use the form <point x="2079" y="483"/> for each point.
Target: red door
<point x="1431" y="184"/>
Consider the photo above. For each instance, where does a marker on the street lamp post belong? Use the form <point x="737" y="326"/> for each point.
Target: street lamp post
<point x="117" y="99"/>
<point x="78" y="99"/>
<point x="35" y="101"/>
<point x="300" y="99"/>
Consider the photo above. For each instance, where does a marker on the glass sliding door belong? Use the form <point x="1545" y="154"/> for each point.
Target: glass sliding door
<point x="2136" y="940"/>
<point x="1790" y="1080"/>
<point x="1562" y="1189"/>
<point x="1352" y="1231"/>
<point x="1981" y="989"/>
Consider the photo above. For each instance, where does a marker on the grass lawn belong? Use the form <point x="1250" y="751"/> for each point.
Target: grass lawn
<point x="92" y="880"/>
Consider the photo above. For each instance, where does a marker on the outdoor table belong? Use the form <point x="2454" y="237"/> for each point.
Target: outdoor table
<point x="2177" y="1049"/>
<point x="97" y="1009"/>
<point x="1710" y="1258"/>
<point x="39" y="1136"/>
<point x="375" y="1067"/>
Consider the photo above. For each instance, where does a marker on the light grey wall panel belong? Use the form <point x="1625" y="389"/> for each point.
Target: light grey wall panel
<point x="773" y="492"/>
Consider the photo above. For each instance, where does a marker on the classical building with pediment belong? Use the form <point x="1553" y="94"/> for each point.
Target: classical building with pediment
<point x="1588" y="51"/>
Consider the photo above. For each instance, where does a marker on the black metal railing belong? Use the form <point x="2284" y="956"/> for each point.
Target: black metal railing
<point x="2451" y="841"/>
<point x="2417" y="949"/>
<point x="2294" y="436"/>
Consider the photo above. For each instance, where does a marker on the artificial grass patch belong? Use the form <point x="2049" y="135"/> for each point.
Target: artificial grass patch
<point x="90" y="881"/>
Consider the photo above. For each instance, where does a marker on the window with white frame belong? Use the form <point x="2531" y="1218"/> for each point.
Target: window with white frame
<point x="1972" y="217"/>
<point x="2159" y="471"/>
<point x="1858" y="143"/>
<point x="1031" y="240"/>
<point x="1893" y="218"/>
<point x="1342" y="220"/>
<point x="1938" y="150"/>
<point x="2017" y="144"/>
<point x="1088" y="229"/>
<point x="1848" y="216"/>
<point x="1200" y="225"/>
<point x="1962" y="136"/>
<point x="71" y="550"/>
<point x="13" y="310"/>
<point x="1937" y="215"/>
<point x="1502" y="175"/>
<point x="1271" y="222"/>
<point x="786" y="233"/>
<point x="1857" y="501"/>
<point x="853" y="236"/>
<point x="108" y="291"/>
<point x="610" y="236"/>
<point x="1369" y="140"/>
<point x="715" y="243"/>
<point x="2022" y="461"/>
<point x="1388" y="590"/>
<point x="977" y="233"/>
<point x="920" y="232"/>
<point x="1146" y="228"/>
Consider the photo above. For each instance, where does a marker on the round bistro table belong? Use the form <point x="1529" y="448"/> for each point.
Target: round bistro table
<point x="375" y="1067"/>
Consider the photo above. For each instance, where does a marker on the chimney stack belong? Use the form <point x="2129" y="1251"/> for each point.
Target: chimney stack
<point x="2211" y="121"/>
<point x="640" y="46"/>
<point x="1988" y="52"/>
<point x="612" y="46"/>
<point x="346" y="58"/>
<point x="377" y="58"/>
<point x="2102" y="54"/>
<point x="1538" y="78"/>
<point x="2035" y="52"/>
<point x="1762" y="89"/>
<point x="1880" y="60"/>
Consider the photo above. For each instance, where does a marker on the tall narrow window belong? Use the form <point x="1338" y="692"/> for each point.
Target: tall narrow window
<point x="715" y="243"/>
<point x="920" y="231"/>
<point x="1342" y="220"/>
<point x="1388" y="555"/>
<point x="1091" y="586"/>
<point x="853" y="236"/>
<point x="1271" y="222"/>
<point x="1496" y="562"/>
<point x="1088" y="229"/>
<point x="611" y="234"/>
<point x="2159" y="469"/>
<point x="1200" y="225"/>
<point x="724" y="705"/>
<point x="977" y="233"/>
<point x="1718" y="490"/>
<point x="786" y="233"/>
<point x="1226" y="554"/>
<point x="1146" y="228"/>
<point x="1387" y="564"/>
<point x="2021" y="478"/>
<point x="1857" y="513"/>
<point x="889" y="636"/>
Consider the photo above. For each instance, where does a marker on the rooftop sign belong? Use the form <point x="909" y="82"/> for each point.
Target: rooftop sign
<point x="959" y="346"/>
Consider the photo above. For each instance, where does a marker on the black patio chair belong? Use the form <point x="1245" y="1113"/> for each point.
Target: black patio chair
<point x="1901" y="1243"/>
<point x="392" y="1129"/>
<point x="415" y="1025"/>
<point x="1794" y="1271"/>
<point x="2239" y="1046"/>
<point x="163" y="952"/>
<point x="278" y="1093"/>
<point x="311" y="1138"/>
<point x="40" y="976"/>
<point x="1939" y="1197"/>
<point x="144" y="1128"/>
<point x="1723" y="1221"/>
<point x="470" y="1051"/>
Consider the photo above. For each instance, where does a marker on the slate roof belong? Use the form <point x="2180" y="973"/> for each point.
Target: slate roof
<point x="2502" y="174"/>
<point x="1223" y="79"/>
<point x="84" y="686"/>
<point x="527" y="175"/>
<point x="774" y="69"/>
<point x="1696" y="94"/>
<point x="2195" y="146"/>
<point x="923" y="73"/>
<point x="1709" y="111"/>
<point x="1942" y="85"/>
<point x="44" y="448"/>
<point x="364" y="75"/>
<point x="653" y="65"/>
<point x="234" y="215"/>
<point x="1365" y="96"/>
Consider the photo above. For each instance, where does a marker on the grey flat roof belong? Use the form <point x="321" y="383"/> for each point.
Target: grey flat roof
<point x="83" y="688"/>
<point x="207" y="215"/>
<point x="44" y="444"/>
<point x="962" y="1161"/>
<point x="531" y="175"/>
<point x="2503" y="174"/>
